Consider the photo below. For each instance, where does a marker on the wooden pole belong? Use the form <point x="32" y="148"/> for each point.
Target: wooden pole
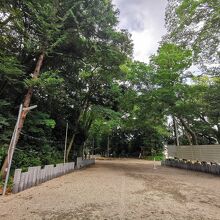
<point x="11" y="151"/>
<point x="26" y="104"/>
<point x="155" y="164"/>
<point x="108" y="145"/>
<point x="67" y="126"/>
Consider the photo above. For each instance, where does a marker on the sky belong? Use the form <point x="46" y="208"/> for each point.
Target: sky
<point x="145" y="20"/>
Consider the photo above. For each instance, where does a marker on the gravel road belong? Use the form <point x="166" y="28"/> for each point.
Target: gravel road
<point x="119" y="189"/>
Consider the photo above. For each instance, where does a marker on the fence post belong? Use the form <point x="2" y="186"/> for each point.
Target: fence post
<point x="16" y="181"/>
<point x="30" y="178"/>
<point x="26" y="177"/>
<point x="38" y="172"/>
<point x="21" y="183"/>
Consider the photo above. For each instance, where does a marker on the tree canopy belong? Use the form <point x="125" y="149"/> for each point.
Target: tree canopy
<point x="70" y="59"/>
<point x="196" y="24"/>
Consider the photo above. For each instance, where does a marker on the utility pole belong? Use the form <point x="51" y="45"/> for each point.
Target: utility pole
<point x="66" y="138"/>
<point x="26" y="104"/>
<point x="13" y="143"/>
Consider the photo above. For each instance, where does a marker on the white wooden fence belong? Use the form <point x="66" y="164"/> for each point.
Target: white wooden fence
<point x="86" y="162"/>
<point x="202" y="158"/>
<point x="212" y="168"/>
<point x="35" y="175"/>
<point x="207" y="153"/>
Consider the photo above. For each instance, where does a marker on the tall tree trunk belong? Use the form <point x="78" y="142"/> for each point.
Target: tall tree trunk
<point x="190" y="131"/>
<point x="84" y="108"/>
<point x="188" y="137"/>
<point x="26" y="104"/>
<point x="93" y="146"/>
<point x="70" y="146"/>
<point x="217" y="134"/>
<point x="186" y="134"/>
<point x="176" y="131"/>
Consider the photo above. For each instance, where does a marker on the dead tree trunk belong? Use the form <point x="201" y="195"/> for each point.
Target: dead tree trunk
<point x="26" y="104"/>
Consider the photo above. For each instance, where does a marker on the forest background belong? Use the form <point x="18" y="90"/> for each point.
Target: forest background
<point x="70" y="59"/>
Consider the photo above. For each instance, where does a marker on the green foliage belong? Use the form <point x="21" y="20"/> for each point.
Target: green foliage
<point x="196" y="24"/>
<point x="48" y="81"/>
<point x="156" y="157"/>
<point x="78" y="80"/>
<point x="169" y="66"/>
<point x="10" y="183"/>
<point x="88" y="79"/>
<point x="6" y="119"/>
<point x="9" y="66"/>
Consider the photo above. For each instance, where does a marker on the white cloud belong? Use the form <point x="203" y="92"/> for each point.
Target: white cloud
<point x="143" y="45"/>
<point x="145" y="21"/>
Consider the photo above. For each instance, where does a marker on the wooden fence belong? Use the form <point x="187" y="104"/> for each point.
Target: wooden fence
<point x="35" y="175"/>
<point x="83" y="163"/>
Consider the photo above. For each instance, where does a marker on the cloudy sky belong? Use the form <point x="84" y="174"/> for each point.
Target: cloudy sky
<point x="145" y="21"/>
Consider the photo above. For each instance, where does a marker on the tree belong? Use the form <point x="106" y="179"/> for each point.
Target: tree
<point x="169" y="65"/>
<point x="195" y="24"/>
<point x="89" y="77"/>
<point x="143" y="123"/>
<point x="76" y="50"/>
<point x="106" y="121"/>
<point x="28" y="19"/>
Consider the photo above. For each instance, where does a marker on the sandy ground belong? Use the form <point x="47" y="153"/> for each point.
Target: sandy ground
<point x="119" y="189"/>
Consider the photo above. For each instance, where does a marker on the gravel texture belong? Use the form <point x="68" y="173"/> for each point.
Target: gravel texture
<point x="119" y="189"/>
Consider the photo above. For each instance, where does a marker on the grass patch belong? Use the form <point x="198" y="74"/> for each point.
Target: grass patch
<point x="157" y="157"/>
<point x="9" y="187"/>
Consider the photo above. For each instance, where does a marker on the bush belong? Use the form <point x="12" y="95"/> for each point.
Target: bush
<point x="10" y="183"/>
<point x="157" y="157"/>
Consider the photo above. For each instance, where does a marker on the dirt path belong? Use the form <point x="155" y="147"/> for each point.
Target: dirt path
<point x="119" y="189"/>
